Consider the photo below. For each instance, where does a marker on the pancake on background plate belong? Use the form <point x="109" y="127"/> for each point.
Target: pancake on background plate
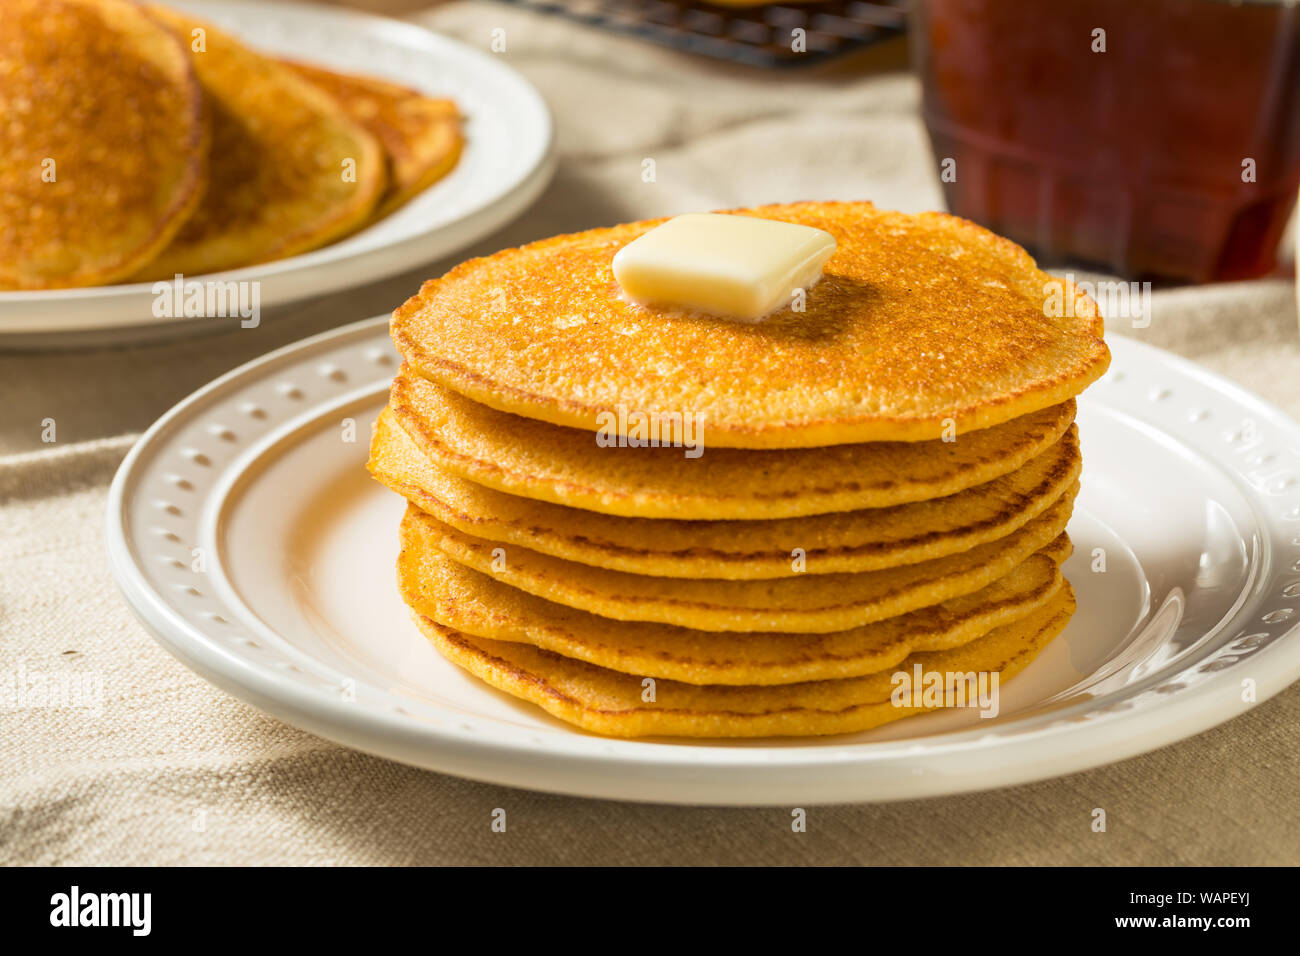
<point x="421" y="135"/>
<point x="288" y="170"/>
<point x="881" y="483"/>
<point x="103" y="141"/>
<point x="138" y="142"/>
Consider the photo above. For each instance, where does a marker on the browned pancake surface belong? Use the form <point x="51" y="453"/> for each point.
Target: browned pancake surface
<point x="919" y="321"/>
<point x="288" y="170"/>
<point x="103" y="141"/>
<point x="421" y="135"/>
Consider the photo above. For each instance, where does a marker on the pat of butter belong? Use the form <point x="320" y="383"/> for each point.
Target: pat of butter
<point x="736" y="266"/>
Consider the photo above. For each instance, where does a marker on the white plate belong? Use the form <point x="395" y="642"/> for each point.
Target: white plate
<point x="507" y="162"/>
<point x="1191" y="486"/>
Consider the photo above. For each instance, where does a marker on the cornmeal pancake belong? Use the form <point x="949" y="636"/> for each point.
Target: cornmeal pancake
<point x="421" y="135"/>
<point x="846" y="541"/>
<point x="919" y="321"/>
<point x="103" y="141"/>
<point x="608" y="702"/>
<point x="806" y="604"/>
<point x="479" y="605"/>
<point x="288" y="170"/>
<point x="533" y="459"/>
<point x="1058" y="549"/>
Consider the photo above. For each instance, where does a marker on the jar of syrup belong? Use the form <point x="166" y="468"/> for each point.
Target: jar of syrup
<point x="1150" y="138"/>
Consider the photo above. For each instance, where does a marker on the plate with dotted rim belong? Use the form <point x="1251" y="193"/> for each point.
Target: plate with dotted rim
<point x="246" y="535"/>
<point x="508" y="159"/>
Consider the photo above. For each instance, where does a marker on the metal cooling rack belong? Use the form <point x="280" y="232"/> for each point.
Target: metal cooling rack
<point x="757" y="36"/>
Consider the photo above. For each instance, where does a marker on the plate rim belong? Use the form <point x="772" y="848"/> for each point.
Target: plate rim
<point x="59" y="313"/>
<point x="667" y="773"/>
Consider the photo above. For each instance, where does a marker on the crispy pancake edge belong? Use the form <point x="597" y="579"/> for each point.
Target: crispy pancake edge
<point x="488" y="662"/>
<point x="610" y="542"/>
<point x="477" y="605"/>
<point x="613" y="498"/>
<point x="764" y="605"/>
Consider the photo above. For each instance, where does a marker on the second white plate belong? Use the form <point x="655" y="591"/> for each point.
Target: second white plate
<point x="507" y="162"/>
<point x="246" y="534"/>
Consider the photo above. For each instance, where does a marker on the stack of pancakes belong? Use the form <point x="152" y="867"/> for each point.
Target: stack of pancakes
<point x="137" y="143"/>
<point x="885" y="480"/>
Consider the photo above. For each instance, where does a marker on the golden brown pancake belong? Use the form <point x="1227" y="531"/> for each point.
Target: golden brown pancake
<point x="283" y="154"/>
<point x="805" y="604"/>
<point x="421" y="135"/>
<point x="920" y="321"/>
<point x="103" y="141"/>
<point x="608" y="702"/>
<point x="865" y="540"/>
<point x="479" y="605"/>
<point x="533" y="459"/>
<point x="1058" y="549"/>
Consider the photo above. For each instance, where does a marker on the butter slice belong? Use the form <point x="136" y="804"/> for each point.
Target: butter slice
<point x="735" y="266"/>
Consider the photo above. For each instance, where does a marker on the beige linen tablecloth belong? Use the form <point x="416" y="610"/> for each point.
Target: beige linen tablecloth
<point x="175" y="771"/>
